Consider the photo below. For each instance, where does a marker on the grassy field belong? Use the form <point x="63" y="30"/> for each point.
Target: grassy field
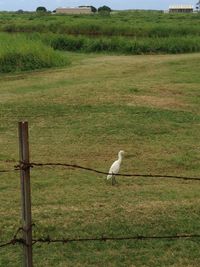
<point x="138" y="32"/>
<point x="32" y="41"/>
<point x="133" y="23"/>
<point x="84" y="114"/>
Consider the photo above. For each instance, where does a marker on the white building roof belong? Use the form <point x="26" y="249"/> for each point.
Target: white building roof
<point x="181" y="7"/>
<point x="82" y="7"/>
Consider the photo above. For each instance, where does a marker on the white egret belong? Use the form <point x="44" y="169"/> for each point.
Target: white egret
<point x="114" y="169"/>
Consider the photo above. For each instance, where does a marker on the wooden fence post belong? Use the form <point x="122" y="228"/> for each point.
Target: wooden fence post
<point x="25" y="193"/>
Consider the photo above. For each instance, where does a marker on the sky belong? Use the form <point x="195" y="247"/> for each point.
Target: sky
<point x="31" y="5"/>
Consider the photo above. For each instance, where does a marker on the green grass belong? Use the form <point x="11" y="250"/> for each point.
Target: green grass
<point x="84" y="114"/>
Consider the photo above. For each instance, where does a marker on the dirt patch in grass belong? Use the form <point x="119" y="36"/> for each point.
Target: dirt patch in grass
<point x="158" y="102"/>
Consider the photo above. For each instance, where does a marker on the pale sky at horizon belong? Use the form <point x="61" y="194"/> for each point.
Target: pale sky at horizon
<point x="13" y="5"/>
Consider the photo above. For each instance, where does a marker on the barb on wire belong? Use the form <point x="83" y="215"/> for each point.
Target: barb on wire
<point x="14" y="240"/>
<point x="49" y="240"/>
<point x="24" y="165"/>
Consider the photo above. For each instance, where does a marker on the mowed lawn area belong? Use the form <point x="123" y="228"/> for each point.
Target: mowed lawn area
<point x="84" y="114"/>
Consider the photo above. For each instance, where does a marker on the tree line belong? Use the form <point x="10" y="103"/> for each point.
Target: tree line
<point x="102" y="9"/>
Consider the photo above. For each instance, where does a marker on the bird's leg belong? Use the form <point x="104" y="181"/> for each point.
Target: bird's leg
<point x="113" y="180"/>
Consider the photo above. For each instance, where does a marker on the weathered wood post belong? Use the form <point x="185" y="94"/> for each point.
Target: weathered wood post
<point x="25" y="193"/>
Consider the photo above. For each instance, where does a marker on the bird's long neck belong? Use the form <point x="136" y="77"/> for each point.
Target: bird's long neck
<point x="119" y="158"/>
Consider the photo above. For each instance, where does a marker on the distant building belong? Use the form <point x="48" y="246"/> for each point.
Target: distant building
<point x="181" y="9"/>
<point x="73" y="10"/>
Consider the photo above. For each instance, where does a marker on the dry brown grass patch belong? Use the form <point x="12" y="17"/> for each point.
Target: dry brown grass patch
<point x="158" y="102"/>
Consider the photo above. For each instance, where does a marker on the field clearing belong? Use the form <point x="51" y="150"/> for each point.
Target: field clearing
<point x="148" y="106"/>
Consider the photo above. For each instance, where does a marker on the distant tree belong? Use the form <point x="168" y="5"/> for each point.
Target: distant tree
<point x="41" y="9"/>
<point x="104" y="9"/>
<point x="198" y="6"/>
<point x="20" y="11"/>
<point x="94" y="10"/>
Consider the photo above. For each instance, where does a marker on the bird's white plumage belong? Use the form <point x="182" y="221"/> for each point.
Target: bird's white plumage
<point x="115" y="167"/>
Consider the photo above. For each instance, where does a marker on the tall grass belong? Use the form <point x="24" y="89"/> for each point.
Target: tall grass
<point x="20" y="53"/>
<point x="172" y="44"/>
<point x="135" y="24"/>
<point x="103" y="28"/>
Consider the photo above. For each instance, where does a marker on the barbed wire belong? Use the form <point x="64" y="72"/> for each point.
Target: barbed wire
<point x="14" y="240"/>
<point x="49" y="240"/>
<point x="24" y="165"/>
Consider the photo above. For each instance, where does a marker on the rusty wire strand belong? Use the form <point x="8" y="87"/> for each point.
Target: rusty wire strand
<point x="12" y="242"/>
<point x="49" y="240"/>
<point x="74" y="166"/>
<point x="24" y="165"/>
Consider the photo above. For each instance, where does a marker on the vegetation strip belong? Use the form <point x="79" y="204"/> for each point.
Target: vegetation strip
<point x="36" y="37"/>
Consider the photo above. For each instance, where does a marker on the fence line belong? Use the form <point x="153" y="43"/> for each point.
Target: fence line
<point x="48" y="240"/>
<point x="24" y="165"/>
<point x="27" y="241"/>
<point x="74" y="166"/>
